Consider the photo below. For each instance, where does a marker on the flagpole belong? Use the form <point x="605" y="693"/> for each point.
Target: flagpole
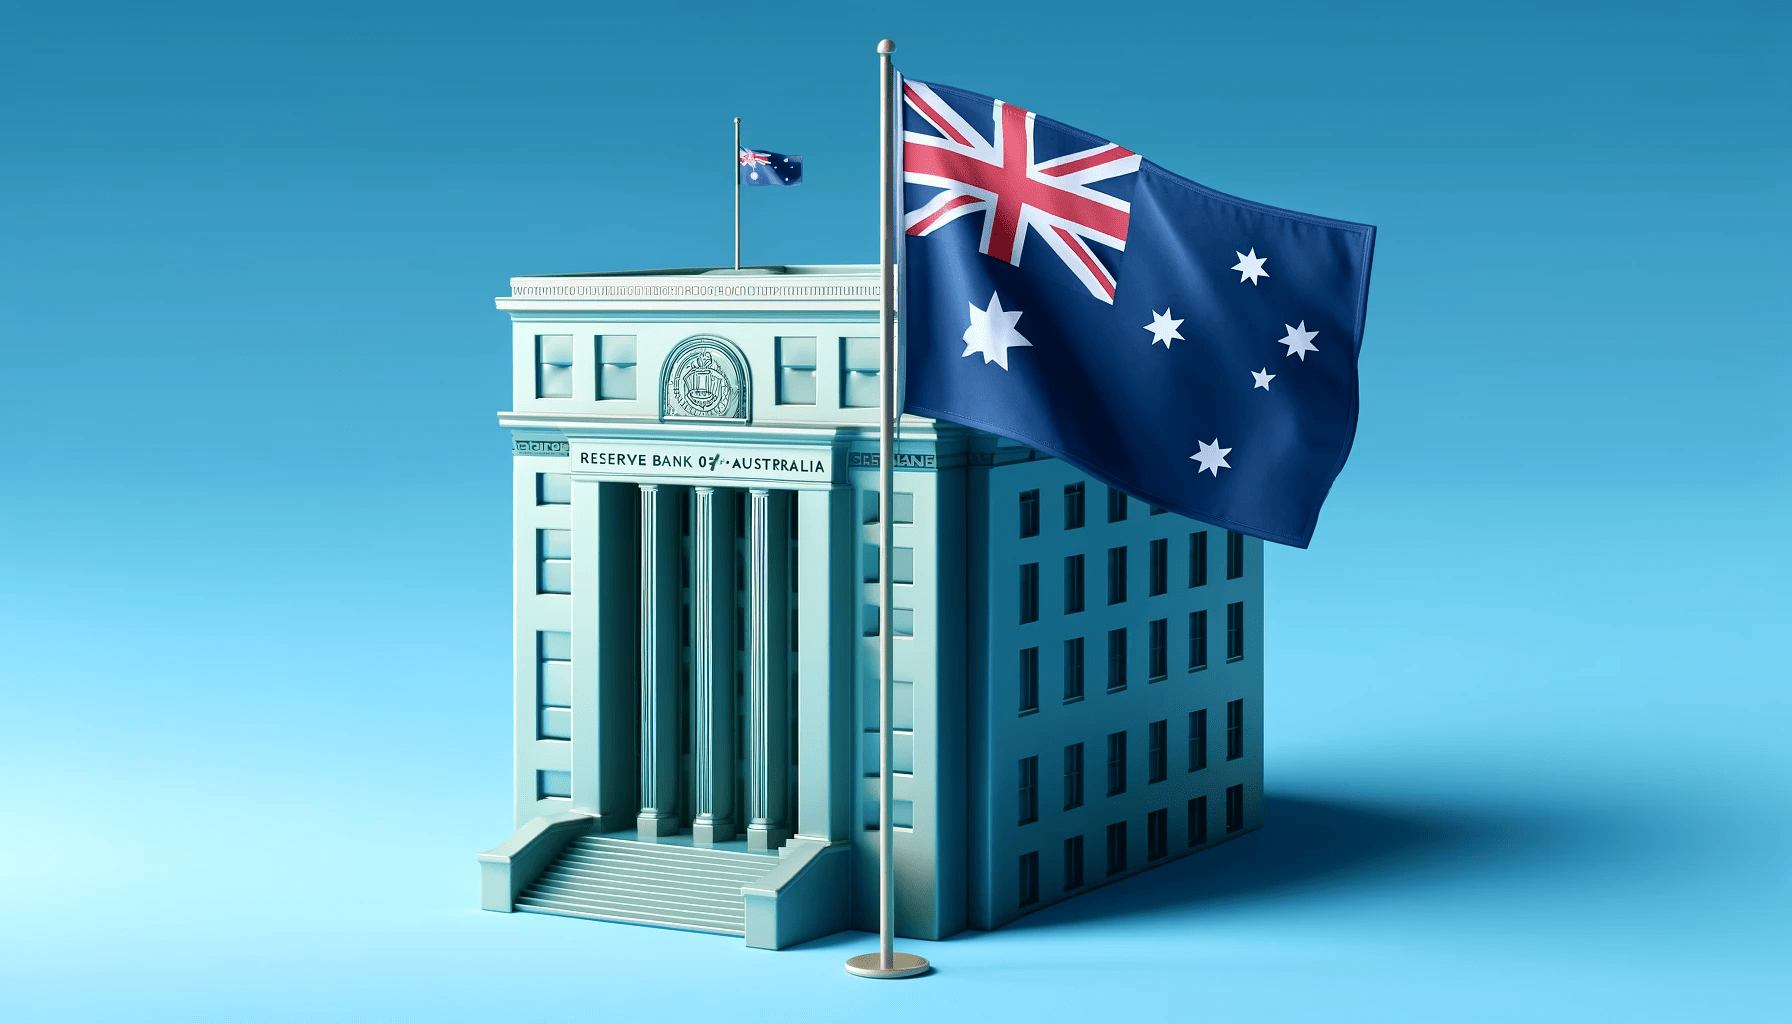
<point x="737" y="193"/>
<point x="886" y="962"/>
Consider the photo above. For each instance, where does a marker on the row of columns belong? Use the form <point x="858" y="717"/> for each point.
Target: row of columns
<point x="714" y="816"/>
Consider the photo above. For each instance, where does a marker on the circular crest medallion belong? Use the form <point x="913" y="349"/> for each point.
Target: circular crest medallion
<point x="705" y="379"/>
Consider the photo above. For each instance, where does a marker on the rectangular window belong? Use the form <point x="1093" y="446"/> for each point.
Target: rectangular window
<point x="1160" y="648"/>
<point x="859" y="360"/>
<point x="1029" y="878"/>
<point x="796" y="371"/>
<point x="1197" y="821"/>
<point x="1197" y="740"/>
<point x="902" y="507"/>
<point x="553" y="785"/>
<point x="1235" y="631"/>
<point x="1116" y="763"/>
<point x="1073" y="506"/>
<point x="1073" y="584"/>
<point x="553" y="684"/>
<point x="1234" y="729"/>
<point x="616" y="367"/>
<point x="1029" y="513"/>
<point x="553" y="366"/>
<point x="1073" y="669"/>
<point x="1029" y="679"/>
<point x="1116" y="575"/>
<point x="1234" y="555"/>
<point x="1116" y="505"/>
<point x="1073" y="862"/>
<point x="1116" y="847"/>
<point x="1197" y="559"/>
<point x="1157" y="761"/>
<point x="1157" y="834"/>
<point x="1156" y="511"/>
<point x="553" y="488"/>
<point x="1234" y="808"/>
<point x="902" y="565"/>
<point x="553" y="550"/>
<point x="1029" y="790"/>
<point x="1160" y="567"/>
<point x="1073" y="776"/>
<point x="1197" y="640"/>
<point x="1029" y="592"/>
<point x="1116" y="659"/>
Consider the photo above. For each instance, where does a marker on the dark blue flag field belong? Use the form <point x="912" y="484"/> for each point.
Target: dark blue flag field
<point x="1195" y="350"/>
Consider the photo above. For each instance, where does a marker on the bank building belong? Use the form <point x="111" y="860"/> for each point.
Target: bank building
<point x="1079" y="676"/>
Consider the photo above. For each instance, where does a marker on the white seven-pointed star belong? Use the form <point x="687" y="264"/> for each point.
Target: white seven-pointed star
<point x="1250" y="268"/>
<point x="1212" y="457"/>
<point x="1163" y="328"/>
<point x="1263" y="377"/>
<point x="1299" y="341"/>
<point x="992" y="332"/>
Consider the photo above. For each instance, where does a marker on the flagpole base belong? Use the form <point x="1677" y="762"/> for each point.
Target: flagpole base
<point x="902" y="965"/>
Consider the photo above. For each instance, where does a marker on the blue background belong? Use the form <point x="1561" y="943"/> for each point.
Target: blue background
<point x="1526" y="717"/>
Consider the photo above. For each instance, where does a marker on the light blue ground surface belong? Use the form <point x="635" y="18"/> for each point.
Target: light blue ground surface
<point x="1527" y="693"/>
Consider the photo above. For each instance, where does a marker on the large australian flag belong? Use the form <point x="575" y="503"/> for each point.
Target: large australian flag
<point x="1195" y="350"/>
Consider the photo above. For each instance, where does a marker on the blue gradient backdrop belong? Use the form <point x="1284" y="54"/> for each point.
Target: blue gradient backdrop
<point x="1526" y="735"/>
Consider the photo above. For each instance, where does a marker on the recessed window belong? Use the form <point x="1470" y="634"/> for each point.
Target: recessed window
<point x="1029" y="679"/>
<point x="1073" y="862"/>
<point x="553" y="785"/>
<point x="1029" y="592"/>
<point x="1159" y="649"/>
<point x="1160" y="566"/>
<point x="1029" y="878"/>
<point x="859" y="359"/>
<point x="1029" y="513"/>
<point x="1116" y="847"/>
<point x="1116" y="505"/>
<point x="902" y="565"/>
<point x="1116" y="659"/>
<point x="553" y="685"/>
<point x="553" y="366"/>
<point x="1235" y="631"/>
<point x="1234" y="555"/>
<point x="1029" y="790"/>
<point x="553" y="550"/>
<point x="1157" y="758"/>
<point x="1116" y="763"/>
<point x="1073" y="506"/>
<point x="1234" y="808"/>
<point x="553" y="488"/>
<point x="616" y="367"/>
<point x="1073" y="776"/>
<point x="1157" y="834"/>
<point x="1073" y="669"/>
<point x="902" y="621"/>
<point x="1116" y="575"/>
<point x="1197" y="559"/>
<point x="796" y="371"/>
<point x="1197" y="740"/>
<point x="1197" y="821"/>
<point x="1073" y="584"/>
<point x="1234" y="729"/>
<point x="902" y="507"/>
<point x="1156" y="511"/>
<point x="1197" y="640"/>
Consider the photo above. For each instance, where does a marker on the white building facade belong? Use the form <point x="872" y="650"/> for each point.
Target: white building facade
<point x="1078" y="692"/>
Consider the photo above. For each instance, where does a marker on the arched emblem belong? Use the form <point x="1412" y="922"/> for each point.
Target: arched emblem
<point x="705" y="378"/>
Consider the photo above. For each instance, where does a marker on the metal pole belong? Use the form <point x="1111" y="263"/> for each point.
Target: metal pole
<point x="886" y="962"/>
<point x="737" y="193"/>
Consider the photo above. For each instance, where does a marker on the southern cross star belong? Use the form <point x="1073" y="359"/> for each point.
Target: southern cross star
<point x="1299" y="341"/>
<point x="1211" y="457"/>
<point x="992" y="332"/>
<point x="1250" y="268"/>
<point x="1163" y="328"/>
<point x="1263" y="377"/>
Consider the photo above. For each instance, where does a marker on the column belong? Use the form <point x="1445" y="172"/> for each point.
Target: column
<point x="604" y="733"/>
<point x="712" y="662"/>
<point x="768" y="677"/>
<point x="659" y="661"/>
<point x="827" y="606"/>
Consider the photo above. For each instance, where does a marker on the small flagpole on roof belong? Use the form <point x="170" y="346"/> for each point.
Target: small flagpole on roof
<point x="737" y="193"/>
<point x="886" y="962"/>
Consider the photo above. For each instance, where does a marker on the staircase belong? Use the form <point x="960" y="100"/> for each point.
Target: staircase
<point x="670" y="886"/>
